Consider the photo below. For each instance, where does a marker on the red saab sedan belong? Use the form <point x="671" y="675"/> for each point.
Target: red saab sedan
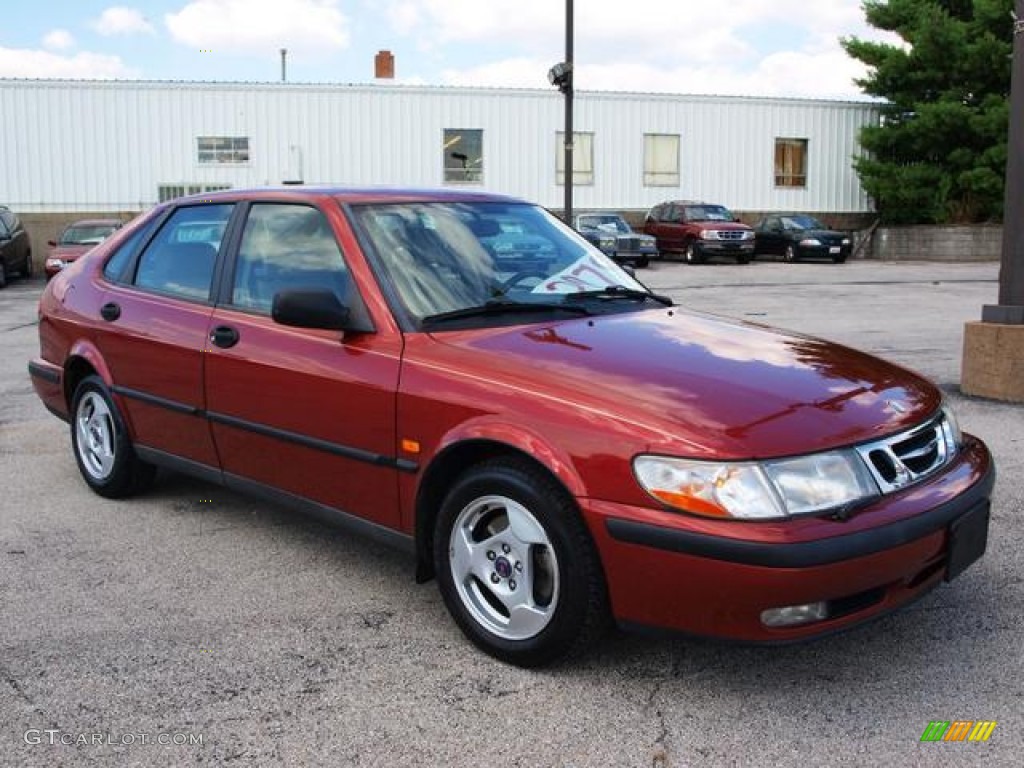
<point x="554" y="443"/>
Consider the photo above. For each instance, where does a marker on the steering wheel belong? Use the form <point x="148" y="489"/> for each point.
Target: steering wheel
<point x="519" y="277"/>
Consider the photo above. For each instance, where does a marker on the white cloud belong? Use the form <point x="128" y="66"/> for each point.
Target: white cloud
<point x="58" y="40"/>
<point x="121" y="20"/>
<point x="746" y="47"/>
<point x="246" y="25"/>
<point x="20" y="62"/>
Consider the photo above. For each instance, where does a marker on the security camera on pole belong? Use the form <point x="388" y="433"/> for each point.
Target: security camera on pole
<point x="561" y="77"/>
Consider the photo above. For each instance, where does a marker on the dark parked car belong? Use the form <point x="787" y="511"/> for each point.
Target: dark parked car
<point x="613" y="235"/>
<point x="15" y="248"/>
<point x="700" y="231"/>
<point x="796" y="236"/>
<point x="558" y="446"/>
<point x="76" y="239"/>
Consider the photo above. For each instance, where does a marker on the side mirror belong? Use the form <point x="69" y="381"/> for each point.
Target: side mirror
<point x="314" y="308"/>
<point x="52" y="243"/>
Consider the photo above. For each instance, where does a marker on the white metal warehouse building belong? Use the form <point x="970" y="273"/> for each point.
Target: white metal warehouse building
<point x="120" y="146"/>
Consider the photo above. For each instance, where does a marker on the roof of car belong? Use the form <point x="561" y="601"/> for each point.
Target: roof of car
<point x="354" y="194"/>
<point x="96" y="223"/>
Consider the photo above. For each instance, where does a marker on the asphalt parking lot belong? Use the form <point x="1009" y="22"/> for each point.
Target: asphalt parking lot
<point x="192" y="614"/>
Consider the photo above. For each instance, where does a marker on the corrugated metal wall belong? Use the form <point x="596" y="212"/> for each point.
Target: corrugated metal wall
<point x="84" y="145"/>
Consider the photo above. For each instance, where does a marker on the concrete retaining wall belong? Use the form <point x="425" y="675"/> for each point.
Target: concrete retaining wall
<point x="979" y="242"/>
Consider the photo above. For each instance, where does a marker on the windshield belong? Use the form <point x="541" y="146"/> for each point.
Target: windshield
<point x="708" y="213"/>
<point x="86" y="234"/>
<point x="609" y="223"/>
<point x="444" y="258"/>
<point x="801" y="222"/>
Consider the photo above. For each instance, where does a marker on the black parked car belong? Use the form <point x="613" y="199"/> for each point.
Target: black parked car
<point x="796" y="236"/>
<point x="613" y="235"/>
<point x="15" y="249"/>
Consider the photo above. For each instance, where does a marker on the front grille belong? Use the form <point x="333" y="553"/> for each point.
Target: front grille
<point x="911" y="456"/>
<point x="629" y="244"/>
<point x="730" y="234"/>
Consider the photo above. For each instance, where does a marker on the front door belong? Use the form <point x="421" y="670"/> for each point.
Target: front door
<point x="310" y="412"/>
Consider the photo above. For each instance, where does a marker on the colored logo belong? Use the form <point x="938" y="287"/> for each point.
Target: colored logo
<point x="958" y="730"/>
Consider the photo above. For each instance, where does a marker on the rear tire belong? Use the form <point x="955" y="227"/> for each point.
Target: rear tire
<point x="26" y="269"/>
<point x="516" y="565"/>
<point x="3" y="275"/>
<point x="100" y="442"/>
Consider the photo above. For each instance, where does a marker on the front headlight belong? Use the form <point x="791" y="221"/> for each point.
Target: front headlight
<point x="810" y="242"/>
<point x="951" y="430"/>
<point x="749" y="235"/>
<point x="606" y="243"/>
<point x="757" y="490"/>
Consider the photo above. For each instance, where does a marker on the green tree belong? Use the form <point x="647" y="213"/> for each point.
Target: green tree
<point x="939" y="152"/>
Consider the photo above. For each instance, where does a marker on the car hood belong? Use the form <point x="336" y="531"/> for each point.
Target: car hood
<point x="69" y="252"/>
<point x="700" y="384"/>
<point x="820" y="233"/>
<point x="721" y="225"/>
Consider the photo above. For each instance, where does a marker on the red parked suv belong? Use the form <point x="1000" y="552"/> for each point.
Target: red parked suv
<point x="556" y="444"/>
<point x="700" y="231"/>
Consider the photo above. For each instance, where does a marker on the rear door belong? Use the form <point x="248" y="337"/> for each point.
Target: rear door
<point x="153" y="332"/>
<point x="307" y="411"/>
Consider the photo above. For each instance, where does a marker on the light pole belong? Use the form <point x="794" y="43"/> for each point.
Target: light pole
<point x="561" y="76"/>
<point x="994" y="348"/>
<point x="1011" y="273"/>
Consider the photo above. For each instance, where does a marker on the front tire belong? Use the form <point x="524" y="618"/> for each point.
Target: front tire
<point x="692" y="255"/>
<point x="790" y="255"/>
<point x="516" y="566"/>
<point x="101" y="445"/>
<point x="26" y="269"/>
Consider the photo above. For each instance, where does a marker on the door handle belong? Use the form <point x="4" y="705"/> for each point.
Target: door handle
<point x="110" y="311"/>
<point x="224" y="336"/>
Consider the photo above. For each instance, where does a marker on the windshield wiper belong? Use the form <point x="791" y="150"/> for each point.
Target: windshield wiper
<point x="620" y="292"/>
<point x="502" y="307"/>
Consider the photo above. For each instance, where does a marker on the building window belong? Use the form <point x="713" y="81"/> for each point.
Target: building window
<point x="582" y="159"/>
<point x="222" y="150"/>
<point x="165" y="192"/>
<point x="791" y="162"/>
<point x="463" y="150"/>
<point x="661" y="160"/>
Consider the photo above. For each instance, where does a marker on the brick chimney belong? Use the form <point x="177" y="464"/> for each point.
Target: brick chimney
<point x="384" y="66"/>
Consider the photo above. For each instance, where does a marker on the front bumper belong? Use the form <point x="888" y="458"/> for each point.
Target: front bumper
<point x="716" y="577"/>
<point x="726" y="247"/>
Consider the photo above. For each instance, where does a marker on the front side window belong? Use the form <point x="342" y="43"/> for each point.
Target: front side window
<point x="179" y="260"/>
<point x="582" y="159"/>
<point x="286" y="247"/>
<point x="463" y="150"/>
<point x="661" y="160"/>
<point x="222" y="150"/>
<point x="791" y="162"/>
<point x="453" y="264"/>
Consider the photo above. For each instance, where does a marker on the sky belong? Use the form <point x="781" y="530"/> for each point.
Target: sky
<point x="786" y="48"/>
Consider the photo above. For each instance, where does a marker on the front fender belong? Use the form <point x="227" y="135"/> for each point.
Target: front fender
<point x="493" y="429"/>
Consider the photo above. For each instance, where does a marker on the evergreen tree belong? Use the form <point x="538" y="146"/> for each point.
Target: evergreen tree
<point x="939" y="154"/>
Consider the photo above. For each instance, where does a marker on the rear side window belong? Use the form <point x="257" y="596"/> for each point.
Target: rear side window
<point x="179" y="260"/>
<point x="116" y="265"/>
<point x="286" y="247"/>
